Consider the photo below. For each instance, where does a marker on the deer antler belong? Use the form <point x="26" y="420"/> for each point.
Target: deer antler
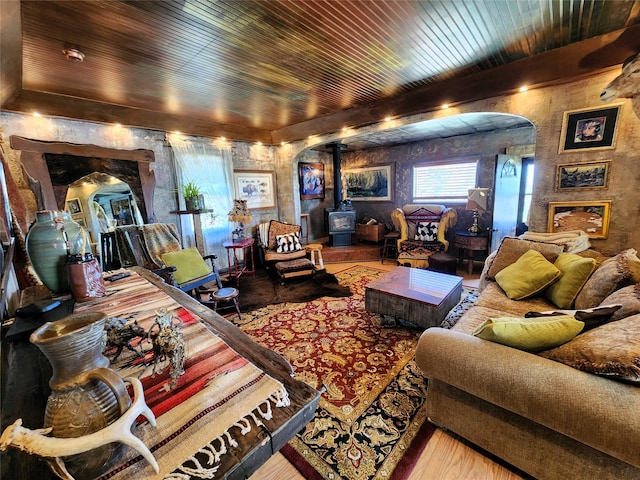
<point x="35" y="442"/>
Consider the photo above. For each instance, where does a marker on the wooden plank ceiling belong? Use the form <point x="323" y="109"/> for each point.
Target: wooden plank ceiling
<point x="284" y="69"/>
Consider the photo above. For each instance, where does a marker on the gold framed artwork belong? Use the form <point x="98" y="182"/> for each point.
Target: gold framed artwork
<point x="590" y="129"/>
<point x="590" y="217"/>
<point x="583" y="176"/>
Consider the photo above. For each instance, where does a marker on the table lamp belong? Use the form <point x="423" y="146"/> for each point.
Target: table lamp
<point x="477" y="202"/>
<point x="240" y="215"/>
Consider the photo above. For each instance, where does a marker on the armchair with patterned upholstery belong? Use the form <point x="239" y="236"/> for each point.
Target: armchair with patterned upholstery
<point x="422" y="232"/>
<point x="279" y="242"/>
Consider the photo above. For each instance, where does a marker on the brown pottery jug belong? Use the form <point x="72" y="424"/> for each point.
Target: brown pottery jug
<point x="86" y="395"/>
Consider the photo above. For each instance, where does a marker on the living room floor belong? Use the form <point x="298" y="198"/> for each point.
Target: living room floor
<point x="446" y="456"/>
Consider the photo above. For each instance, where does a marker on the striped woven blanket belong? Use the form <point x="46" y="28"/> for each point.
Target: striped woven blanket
<point x="218" y="390"/>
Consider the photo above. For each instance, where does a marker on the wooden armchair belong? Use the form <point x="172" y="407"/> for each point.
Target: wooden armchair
<point x="279" y="242"/>
<point x="422" y="232"/>
<point x="156" y="247"/>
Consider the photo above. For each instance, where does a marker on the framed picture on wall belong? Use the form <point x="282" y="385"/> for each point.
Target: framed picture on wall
<point x="311" y="177"/>
<point x="589" y="129"/>
<point x="74" y="206"/>
<point x="372" y="184"/>
<point x="257" y="187"/>
<point x="583" y="176"/>
<point x="590" y="217"/>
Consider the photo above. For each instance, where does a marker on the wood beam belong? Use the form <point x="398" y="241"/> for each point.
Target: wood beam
<point x="81" y="109"/>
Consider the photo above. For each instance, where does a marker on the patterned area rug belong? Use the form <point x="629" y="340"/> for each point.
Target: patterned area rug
<point x="370" y="423"/>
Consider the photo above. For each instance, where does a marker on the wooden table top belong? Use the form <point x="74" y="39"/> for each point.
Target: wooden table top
<point x="26" y="372"/>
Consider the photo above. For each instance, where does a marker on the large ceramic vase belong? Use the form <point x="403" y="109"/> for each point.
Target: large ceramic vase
<point x="86" y="395"/>
<point x="47" y="247"/>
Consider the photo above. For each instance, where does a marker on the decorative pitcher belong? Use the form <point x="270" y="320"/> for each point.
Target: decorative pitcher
<point x="86" y="395"/>
<point x="47" y="242"/>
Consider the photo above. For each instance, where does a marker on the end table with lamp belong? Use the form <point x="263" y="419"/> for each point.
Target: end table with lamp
<point x="240" y="215"/>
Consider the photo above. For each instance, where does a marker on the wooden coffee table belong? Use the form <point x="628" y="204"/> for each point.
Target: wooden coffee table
<point x="421" y="297"/>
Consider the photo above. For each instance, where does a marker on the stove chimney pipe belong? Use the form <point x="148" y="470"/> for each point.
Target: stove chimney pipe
<point x="337" y="174"/>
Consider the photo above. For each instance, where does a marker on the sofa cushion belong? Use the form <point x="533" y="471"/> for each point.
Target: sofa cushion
<point x="511" y="249"/>
<point x="612" y="350"/>
<point x="494" y="297"/>
<point x="575" y="273"/>
<point x="528" y="275"/>
<point x="427" y="231"/>
<point x="530" y="334"/>
<point x="629" y="300"/>
<point x="289" y="242"/>
<point x="188" y="262"/>
<point x="280" y="228"/>
<point x="613" y="274"/>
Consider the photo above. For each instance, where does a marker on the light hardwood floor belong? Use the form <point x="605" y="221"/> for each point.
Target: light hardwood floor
<point x="444" y="457"/>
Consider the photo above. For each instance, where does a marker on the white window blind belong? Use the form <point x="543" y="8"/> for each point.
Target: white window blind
<point x="442" y="182"/>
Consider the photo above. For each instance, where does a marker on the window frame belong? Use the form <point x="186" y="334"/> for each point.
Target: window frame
<point x="458" y="200"/>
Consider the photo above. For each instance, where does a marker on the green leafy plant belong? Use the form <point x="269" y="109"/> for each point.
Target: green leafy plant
<point x="190" y="190"/>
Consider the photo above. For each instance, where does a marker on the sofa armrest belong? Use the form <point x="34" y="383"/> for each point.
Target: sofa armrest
<point x="596" y="411"/>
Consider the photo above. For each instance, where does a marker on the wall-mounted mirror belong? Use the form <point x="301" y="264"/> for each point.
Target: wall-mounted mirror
<point x="100" y="202"/>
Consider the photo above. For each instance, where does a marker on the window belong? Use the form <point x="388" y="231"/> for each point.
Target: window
<point x="442" y="182"/>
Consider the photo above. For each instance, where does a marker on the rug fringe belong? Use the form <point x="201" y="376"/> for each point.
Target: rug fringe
<point x="280" y="398"/>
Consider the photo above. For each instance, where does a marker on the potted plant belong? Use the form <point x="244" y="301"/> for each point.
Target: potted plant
<point x="193" y="198"/>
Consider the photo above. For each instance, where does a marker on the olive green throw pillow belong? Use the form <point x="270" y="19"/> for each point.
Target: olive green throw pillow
<point x="530" y="334"/>
<point x="576" y="271"/>
<point x="189" y="264"/>
<point x="528" y="275"/>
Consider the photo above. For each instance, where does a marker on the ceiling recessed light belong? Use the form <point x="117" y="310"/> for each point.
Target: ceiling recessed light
<point x="36" y="114"/>
<point x="73" y="54"/>
<point x="259" y="143"/>
<point x="524" y="88"/>
<point x="387" y="119"/>
<point x="445" y="106"/>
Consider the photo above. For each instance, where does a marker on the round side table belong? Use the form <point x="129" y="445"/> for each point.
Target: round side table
<point x="471" y="243"/>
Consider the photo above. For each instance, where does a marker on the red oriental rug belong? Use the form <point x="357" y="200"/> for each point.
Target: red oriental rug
<point x="370" y="423"/>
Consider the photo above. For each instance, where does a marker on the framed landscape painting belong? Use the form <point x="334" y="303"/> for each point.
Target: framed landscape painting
<point x="371" y="184"/>
<point x="257" y="187"/>
<point x="583" y="176"/>
<point x="589" y="129"/>
<point x="590" y="217"/>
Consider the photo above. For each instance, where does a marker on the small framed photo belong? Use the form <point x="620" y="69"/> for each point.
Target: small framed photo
<point x="583" y="176"/>
<point x="590" y="129"/>
<point x="74" y="206"/>
<point x="311" y="177"/>
<point x="257" y="187"/>
<point x="590" y="217"/>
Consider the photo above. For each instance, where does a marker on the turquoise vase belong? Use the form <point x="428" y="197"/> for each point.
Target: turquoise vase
<point x="47" y="247"/>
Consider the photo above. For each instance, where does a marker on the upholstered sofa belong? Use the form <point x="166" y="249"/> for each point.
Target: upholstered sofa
<point x="568" y="411"/>
<point x="423" y="231"/>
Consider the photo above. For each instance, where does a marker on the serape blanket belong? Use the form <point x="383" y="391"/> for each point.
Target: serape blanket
<point x="219" y="389"/>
